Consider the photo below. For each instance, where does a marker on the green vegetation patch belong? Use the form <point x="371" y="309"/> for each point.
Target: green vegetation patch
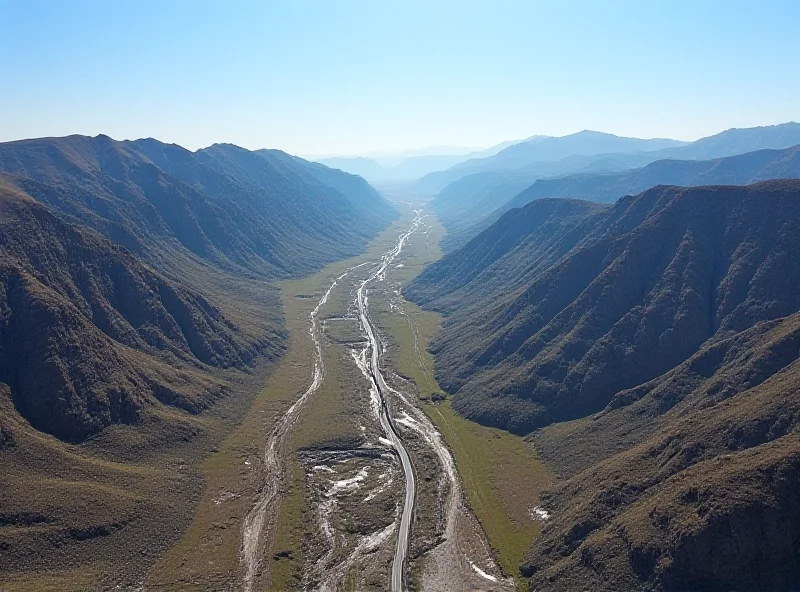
<point x="502" y="478"/>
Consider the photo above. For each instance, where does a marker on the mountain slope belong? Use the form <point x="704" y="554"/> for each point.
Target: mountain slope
<point x="738" y="141"/>
<point x="652" y="279"/>
<point x="472" y="197"/>
<point x="707" y="457"/>
<point x="520" y="246"/>
<point x="587" y="142"/>
<point x="594" y="151"/>
<point x="356" y="165"/>
<point x="375" y="209"/>
<point x="90" y="337"/>
<point x="224" y="205"/>
<point x="743" y="169"/>
<point x="472" y="203"/>
<point x="540" y="150"/>
<point x="655" y="343"/>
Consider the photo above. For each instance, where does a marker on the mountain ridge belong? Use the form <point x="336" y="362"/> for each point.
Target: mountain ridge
<point x="546" y="326"/>
<point x="650" y="349"/>
<point x="726" y="143"/>
<point x="241" y="224"/>
<point x="750" y="167"/>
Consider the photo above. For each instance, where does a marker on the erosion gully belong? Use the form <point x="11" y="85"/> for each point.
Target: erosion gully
<point x="453" y="563"/>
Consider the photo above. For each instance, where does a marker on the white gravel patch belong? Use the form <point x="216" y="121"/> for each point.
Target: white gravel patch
<point x="348" y="484"/>
<point x="540" y="514"/>
<point x="482" y="573"/>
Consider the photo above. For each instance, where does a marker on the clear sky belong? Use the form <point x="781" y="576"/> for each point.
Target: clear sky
<point x="345" y="77"/>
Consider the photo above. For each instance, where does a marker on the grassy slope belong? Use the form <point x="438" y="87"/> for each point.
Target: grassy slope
<point x="502" y="475"/>
<point x="131" y="510"/>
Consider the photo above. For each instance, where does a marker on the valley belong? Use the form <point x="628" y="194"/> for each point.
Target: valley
<point x="201" y="390"/>
<point x="333" y="499"/>
<point x="399" y="296"/>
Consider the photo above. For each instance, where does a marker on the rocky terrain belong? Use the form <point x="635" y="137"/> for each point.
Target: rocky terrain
<point x="652" y="348"/>
<point x="80" y="316"/>
<point x="687" y="482"/>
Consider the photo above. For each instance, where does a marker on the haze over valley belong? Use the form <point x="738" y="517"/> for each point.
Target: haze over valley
<point x="255" y="335"/>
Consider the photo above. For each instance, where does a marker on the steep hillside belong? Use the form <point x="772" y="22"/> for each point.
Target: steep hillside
<point x="472" y="203"/>
<point x="224" y="205"/>
<point x="651" y="280"/>
<point x="90" y="337"/>
<point x="656" y="345"/>
<point x="519" y="246"/>
<point x="688" y="482"/>
<point x="375" y="209"/>
<point x="475" y="198"/>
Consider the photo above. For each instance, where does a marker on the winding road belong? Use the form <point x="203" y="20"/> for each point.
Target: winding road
<point x="401" y="549"/>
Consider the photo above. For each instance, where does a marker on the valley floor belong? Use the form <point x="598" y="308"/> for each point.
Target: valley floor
<point x="316" y="488"/>
<point x="307" y="491"/>
<point x="299" y="486"/>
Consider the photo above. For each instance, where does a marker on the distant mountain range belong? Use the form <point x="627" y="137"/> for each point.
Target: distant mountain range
<point x="265" y="213"/>
<point x="545" y="152"/>
<point x="408" y="167"/>
<point x="653" y="348"/>
<point x="743" y="169"/>
<point x="470" y="204"/>
<point x="590" y="151"/>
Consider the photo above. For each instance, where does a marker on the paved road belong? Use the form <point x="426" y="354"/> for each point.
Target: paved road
<point x="401" y="550"/>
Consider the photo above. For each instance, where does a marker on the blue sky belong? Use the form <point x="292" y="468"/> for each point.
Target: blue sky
<point x="344" y="77"/>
